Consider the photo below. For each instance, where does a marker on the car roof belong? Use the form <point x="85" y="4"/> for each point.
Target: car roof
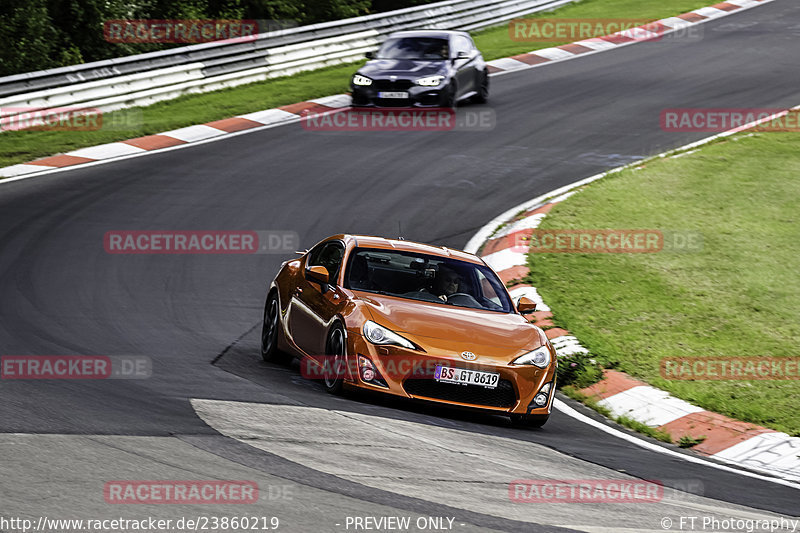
<point x="428" y="33"/>
<point x="369" y="241"/>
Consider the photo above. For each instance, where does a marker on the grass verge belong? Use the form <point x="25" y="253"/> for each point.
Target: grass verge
<point x="629" y="423"/>
<point x="22" y="146"/>
<point x="644" y="429"/>
<point x="496" y="42"/>
<point x="739" y="296"/>
<point x="187" y="110"/>
<point x="578" y="396"/>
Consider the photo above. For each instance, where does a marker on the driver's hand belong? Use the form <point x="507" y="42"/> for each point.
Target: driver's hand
<point x="443" y="297"/>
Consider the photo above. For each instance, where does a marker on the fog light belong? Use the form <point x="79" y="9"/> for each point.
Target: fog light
<point x="368" y="372"/>
<point x="540" y="399"/>
<point x="366" y="368"/>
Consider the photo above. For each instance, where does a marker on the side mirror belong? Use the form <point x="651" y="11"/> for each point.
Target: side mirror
<point x="318" y="274"/>
<point x="370" y="55"/>
<point x="526" y="306"/>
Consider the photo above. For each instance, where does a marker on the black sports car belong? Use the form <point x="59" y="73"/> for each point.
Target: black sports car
<point x="422" y="68"/>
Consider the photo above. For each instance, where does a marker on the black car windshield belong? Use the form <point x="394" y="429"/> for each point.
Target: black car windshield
<point x="414" y="48"/>
<point x="427" y="278"/>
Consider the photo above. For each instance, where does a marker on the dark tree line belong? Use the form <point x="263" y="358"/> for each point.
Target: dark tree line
<point x="41" y="34"/>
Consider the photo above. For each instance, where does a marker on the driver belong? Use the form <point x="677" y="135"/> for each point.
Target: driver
<point x="446" y="283"/>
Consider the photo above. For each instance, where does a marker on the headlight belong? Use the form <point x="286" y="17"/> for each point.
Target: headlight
<point x="377" y="334"/>
<point x="539" y="357"/>
<point x="429" y="81"/>
<point x="358" y="79"/>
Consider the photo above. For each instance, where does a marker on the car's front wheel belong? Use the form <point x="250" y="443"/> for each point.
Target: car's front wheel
<point x="529" y="421"/>
<point x="335" y="359"/>
<point x="269" y="330"/>
<point x="451" y="95"/>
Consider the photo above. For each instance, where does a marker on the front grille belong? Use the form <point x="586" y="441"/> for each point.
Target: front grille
<point x="386" y="102"/>
<point x="501" y="396"/>
<point x="388" y="85"/>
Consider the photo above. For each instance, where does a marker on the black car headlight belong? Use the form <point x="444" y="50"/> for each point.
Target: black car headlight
<point x="539" y="357"/>
<point x="429" y="81"/>
<point x="358" y="79"/>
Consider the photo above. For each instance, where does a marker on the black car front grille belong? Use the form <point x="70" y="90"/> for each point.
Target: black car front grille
<point x="388" y="85"/>
<point x="402" y="103"/>
<point x="501" y="396"/>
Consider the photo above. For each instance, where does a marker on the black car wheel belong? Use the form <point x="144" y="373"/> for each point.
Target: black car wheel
<point x="450" y="97"/>
<point x="269" y="330"/>
<point x="335" y="359"/>
<point x="529" y="421"/>
<point x="483" y="88"/>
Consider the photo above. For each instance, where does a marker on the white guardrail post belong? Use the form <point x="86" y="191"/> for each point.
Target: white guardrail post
<point x="148" y="78"/>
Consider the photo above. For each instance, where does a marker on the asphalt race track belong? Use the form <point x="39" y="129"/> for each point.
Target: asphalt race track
<point x="197" y="316"/>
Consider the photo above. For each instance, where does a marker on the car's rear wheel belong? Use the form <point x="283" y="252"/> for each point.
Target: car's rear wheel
<point x="529" y="421"/>
<point x="483" y="88"/>
<point x="335" y="359"/>
<point x="269" y="330"/>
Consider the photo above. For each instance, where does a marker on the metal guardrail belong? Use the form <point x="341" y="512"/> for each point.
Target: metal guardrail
<point x="148" y="78"/>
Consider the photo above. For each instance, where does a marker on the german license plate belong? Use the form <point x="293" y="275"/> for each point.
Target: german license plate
<point x="462" y="376"/>
<point x="396" y="94"/>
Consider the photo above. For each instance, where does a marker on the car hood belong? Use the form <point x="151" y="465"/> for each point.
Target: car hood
<point x="402" y="68"/>
<point x="449" y="329"/>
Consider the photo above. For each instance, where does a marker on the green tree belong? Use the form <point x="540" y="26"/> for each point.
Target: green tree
<point x="30" y="41"/>
<point x="305" y="11"/>
<point x="324" y="10"/>
<point x="379" y="6"/>
<point x="40" y="34"/>
<point x="225" y="9"/>
<point x="80" y="25"/>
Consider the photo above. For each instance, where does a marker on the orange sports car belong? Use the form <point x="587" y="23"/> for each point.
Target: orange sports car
<point x="412" y="320"/>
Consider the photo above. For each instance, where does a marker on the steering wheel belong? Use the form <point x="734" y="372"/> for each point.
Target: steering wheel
<point x="461" y="294"/>
<point x="469" y="302"/>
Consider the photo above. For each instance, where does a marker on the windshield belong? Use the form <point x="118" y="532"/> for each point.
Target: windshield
<point x="414" y="48"/>
<point x="426" y="278"/>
